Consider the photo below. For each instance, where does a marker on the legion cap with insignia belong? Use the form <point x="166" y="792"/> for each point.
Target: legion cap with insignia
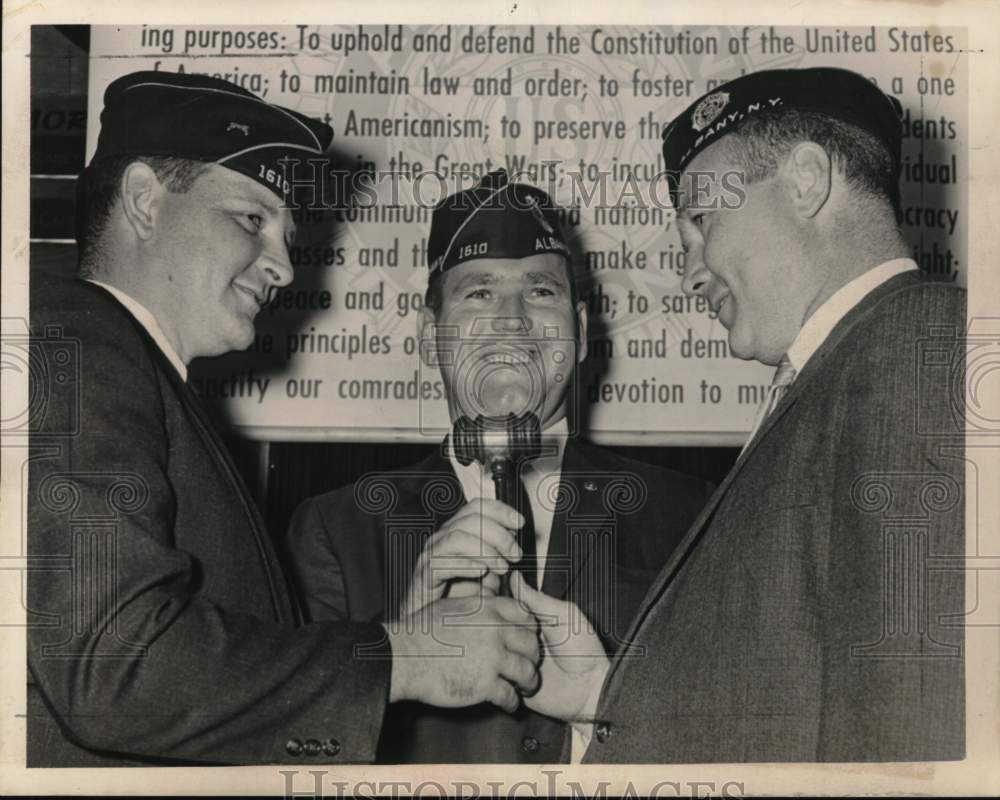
<point x="494" y="219"/>
<point x="206" y="119"/>
<point x="838" y="93"/>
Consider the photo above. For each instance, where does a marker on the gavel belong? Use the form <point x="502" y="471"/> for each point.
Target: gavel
<point x="501" y="444"/>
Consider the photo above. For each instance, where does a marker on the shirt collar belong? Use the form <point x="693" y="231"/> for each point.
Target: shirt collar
<point x="550" y="461"/>
<point x="825" y="318"/>
<point x="145" y="318"/>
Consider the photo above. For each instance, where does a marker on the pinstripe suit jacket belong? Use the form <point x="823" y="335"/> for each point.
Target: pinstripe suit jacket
<point x="813" y="611"/>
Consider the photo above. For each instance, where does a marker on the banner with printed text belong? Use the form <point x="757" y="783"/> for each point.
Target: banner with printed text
<point x="576" y="110"/>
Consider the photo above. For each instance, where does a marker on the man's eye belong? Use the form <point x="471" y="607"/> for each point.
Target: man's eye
<point x="697" y="219"/>
<point x="542" y="291"/>
<point x="256" y="220"/>
<point x="478" y="294"/>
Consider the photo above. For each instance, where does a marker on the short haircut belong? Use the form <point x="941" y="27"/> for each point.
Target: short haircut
<point x="99" y="187"/>
<point x="762" y="141"/>
<point x="433" y="298"/>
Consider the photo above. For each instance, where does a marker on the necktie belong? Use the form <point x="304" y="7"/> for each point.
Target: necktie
<point x="783" y="377"/>
<point x="528" y="565"/>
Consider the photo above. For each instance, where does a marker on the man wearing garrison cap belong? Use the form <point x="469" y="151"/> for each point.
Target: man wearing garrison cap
<point x="504" y="325"/>
<point x="801" y="618"/>
<point x="161" y="628"/>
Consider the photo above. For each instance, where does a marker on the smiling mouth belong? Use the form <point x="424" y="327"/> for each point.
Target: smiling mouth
<point x="256" y="297"/>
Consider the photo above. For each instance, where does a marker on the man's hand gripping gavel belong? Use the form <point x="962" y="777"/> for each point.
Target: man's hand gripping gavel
<point x="503" y="445"/>
<point x="475" y="549"/>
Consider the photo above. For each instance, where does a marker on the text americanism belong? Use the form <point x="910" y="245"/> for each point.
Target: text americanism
<point x="443" y="127"/>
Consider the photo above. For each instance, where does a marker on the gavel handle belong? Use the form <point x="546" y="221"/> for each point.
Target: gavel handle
<point x="504" y="482"/>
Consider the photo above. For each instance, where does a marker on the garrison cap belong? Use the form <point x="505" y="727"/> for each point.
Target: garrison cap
<point x="206" y="119"/>
<point x="494" y="219"/>
<point x="838" y="93"/>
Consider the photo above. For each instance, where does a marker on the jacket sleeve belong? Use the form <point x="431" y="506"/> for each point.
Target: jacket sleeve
<point x="127" y="651"/>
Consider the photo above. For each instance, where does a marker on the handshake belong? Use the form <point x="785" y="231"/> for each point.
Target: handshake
<point x="456" y="642"/>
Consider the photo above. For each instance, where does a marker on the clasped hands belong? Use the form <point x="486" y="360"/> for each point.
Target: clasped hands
<point x="456" y="642"/>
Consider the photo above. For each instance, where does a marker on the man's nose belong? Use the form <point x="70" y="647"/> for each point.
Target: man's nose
<point x="276" y="264"/>
<point x="510" y="317"/>
<point x="696" y="275"/>
<point x="511" y="323"/>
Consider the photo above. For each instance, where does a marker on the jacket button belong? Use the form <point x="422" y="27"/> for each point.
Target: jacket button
<point x="529" y="744"/>
<point x="293" y="747"/>
<point x="331" y="747"/>
<point x="602" y="731"/>
<point x="313" y="747"/>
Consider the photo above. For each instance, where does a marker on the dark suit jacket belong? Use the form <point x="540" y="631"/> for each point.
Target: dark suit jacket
<point x="161" y="628"/>
<point x="615" y="523"/>
<point x="814" y="610"/>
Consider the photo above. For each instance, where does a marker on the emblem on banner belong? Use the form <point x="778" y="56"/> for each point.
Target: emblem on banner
<point x="708" y="110"/>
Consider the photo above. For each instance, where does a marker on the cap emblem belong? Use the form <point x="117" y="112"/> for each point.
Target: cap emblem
<point x="708" y="110"/>
<point x="235" y="126"/>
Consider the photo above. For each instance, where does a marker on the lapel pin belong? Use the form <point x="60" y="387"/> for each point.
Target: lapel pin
<point x="590" y="486"/>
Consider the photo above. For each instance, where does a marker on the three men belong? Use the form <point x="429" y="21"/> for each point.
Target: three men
<point x="504" y="325"/>
<point x="802" y="619"/>
<point x="799" y="619"/>
<point x="161" y="629"/>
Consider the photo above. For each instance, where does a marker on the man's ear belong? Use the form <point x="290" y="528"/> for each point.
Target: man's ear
<point x="140" y="190"/>
<point x="808" y="173"/>
<point x="426" y="336"/>
<point x="581" y="331"/>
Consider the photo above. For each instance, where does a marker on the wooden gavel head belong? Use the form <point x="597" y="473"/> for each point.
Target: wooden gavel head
<point x="490" y="440"/>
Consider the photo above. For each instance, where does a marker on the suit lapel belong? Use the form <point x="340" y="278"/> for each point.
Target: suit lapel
<point x="802" y="382"/>
<point x="814" y="366"/>
<point x="283" y="604"/>
<point x="430" y="490"/>
<point x="579" y="508"/>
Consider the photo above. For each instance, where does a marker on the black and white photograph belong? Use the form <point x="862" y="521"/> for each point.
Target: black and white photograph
<point x="500" y="400"/>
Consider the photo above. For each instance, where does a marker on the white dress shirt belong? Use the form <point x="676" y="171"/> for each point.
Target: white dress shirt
<point x="545" y="470"/>
<point x="145" y="318"/>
